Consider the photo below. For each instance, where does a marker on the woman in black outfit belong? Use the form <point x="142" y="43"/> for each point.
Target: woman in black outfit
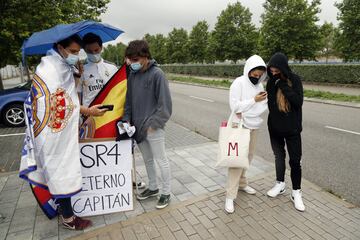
<point x="285" y="99"/>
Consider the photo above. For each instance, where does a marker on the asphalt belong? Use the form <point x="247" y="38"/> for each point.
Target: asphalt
<point x="345" y="89"/>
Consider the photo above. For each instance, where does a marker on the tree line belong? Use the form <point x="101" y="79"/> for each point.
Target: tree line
<point x="287" y="26"/>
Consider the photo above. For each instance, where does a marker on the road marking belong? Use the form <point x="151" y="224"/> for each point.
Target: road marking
<point x="203" y="99"/>
<point x="342" y="130"/>
<point x="12" y="134"/>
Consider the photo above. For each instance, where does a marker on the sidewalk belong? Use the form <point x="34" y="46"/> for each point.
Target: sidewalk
<point x="196" y="210"/>
<point x="255" y="217"/>
<point x="192" y="175"/>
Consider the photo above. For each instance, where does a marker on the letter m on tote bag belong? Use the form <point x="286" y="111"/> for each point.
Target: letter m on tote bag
<point x="233" y="147"/>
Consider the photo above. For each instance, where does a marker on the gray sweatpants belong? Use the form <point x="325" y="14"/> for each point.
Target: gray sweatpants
<point x="153" y="150"/>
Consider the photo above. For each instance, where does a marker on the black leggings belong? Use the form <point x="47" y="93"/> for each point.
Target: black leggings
<point x="293" y="145"/>
<point x="66" y="208"/>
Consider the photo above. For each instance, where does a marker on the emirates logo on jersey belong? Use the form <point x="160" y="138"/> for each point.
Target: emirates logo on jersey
<point x="99" y="84"/>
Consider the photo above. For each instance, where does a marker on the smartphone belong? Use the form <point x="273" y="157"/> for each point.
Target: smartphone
<point x="107" y="107"/>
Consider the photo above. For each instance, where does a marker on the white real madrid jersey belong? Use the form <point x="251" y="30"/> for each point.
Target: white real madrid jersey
<point x="93" y="79"/>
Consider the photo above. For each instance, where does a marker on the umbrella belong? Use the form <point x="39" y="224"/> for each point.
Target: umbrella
<point x="41" y="42"/>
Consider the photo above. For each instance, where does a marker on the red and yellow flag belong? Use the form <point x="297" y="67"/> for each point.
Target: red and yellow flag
<point x="113" y="93"/>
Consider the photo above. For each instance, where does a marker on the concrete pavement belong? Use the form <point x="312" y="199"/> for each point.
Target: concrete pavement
<point x="193" y="174"/>
<point x="255" y="217"/>
<point x="196" y="210"/>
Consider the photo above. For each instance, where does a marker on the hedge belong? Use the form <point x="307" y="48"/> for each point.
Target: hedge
<point x="315" y="73"/>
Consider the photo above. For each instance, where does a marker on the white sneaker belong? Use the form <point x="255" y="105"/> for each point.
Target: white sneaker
<point x="229" y="205"/>
<point x="279" y="188"/>
<point x="297" y="200"/>
<point x="248" y="190"/>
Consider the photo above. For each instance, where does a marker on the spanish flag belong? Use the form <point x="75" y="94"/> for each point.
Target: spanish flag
<point x="113" y="93"/>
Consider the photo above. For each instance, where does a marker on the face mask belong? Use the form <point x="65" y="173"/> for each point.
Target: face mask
<point x="254" y="80"/>
<point x="72" y="59"/>
<point x="277" y="76"/>
<point x="94" y="57"/>
<point x="135" y="66"/>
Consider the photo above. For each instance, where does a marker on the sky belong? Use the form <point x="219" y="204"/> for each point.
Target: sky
<point x="138" y="17"/>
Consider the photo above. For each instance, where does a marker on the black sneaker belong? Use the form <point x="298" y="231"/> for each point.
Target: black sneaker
<point x="140" y="185"/>
<point x="147" y="193"/>
<point x="163" y="201"/>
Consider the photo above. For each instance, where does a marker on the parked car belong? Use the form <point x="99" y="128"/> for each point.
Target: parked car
<point x="12" y="105"/>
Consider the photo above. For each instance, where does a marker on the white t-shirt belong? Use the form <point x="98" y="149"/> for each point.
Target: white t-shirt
<point x="94" y="78"/>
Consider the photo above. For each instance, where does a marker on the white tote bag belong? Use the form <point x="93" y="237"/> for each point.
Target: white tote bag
<point x="233" y="146"/>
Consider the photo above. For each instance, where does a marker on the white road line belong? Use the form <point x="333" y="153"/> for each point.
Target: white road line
<point x="342" y="130"/>
<point x="203" y="99"/>
<point x="12" y="134"/>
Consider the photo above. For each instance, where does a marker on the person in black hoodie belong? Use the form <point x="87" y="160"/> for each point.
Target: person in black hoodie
<point x="285" y="100"/>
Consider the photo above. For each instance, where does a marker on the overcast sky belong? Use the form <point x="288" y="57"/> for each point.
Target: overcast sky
<point x="138" y="17"/>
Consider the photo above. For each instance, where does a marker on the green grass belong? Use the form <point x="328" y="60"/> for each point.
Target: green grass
<point x="331" y="96"/>
<point x="307" y="93"/>
<point x="206" y="82"/>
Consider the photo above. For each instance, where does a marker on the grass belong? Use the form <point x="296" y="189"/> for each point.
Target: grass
<point x="206" y="82"/>
<point x="307" y="93"/>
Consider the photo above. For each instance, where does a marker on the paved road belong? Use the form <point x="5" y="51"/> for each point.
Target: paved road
<point x="348" y="90"/>
<point x="331" y="136"/>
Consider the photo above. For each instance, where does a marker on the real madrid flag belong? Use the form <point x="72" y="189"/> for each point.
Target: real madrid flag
<point x="50" y="156"/>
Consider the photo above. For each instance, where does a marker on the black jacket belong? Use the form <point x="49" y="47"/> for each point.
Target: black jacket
<point x="280" y="122"/>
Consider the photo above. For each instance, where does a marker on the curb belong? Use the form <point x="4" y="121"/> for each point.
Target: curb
<point x="314" y="100"/>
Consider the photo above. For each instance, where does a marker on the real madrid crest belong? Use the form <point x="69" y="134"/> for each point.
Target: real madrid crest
<point x="61" y="109"/>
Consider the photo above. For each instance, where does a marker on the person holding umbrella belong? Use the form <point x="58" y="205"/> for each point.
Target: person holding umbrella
<point x="51" y="143"/>
<point x="50" y="155"/>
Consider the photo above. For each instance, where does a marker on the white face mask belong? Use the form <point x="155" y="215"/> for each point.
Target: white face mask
<point x="94" y="57"/>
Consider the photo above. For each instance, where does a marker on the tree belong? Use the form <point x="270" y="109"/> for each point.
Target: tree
<point x="157" y="44"/>
<point x="198" y="41"/>
<point x="348" y="42"/>
<point x="234" y="35"/>
<point x="177" y="46"/>
<point x="114" y="53"/>
<point x="210" y="51"/>
<point x="328" y="32"/>
<point x="20" y="18"/>
<point x="290" y="27"/>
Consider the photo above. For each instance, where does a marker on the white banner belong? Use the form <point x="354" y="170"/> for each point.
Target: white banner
<point x="107" y="182"/>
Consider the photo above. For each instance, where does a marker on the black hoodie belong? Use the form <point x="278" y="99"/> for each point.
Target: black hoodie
<point x="280" y="122"/>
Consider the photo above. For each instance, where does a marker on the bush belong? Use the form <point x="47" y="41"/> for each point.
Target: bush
<point x="312" y="73"/>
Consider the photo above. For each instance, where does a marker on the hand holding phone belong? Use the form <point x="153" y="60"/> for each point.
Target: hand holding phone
<point x="261" y="96"/>
<point x="107" y="107"/>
